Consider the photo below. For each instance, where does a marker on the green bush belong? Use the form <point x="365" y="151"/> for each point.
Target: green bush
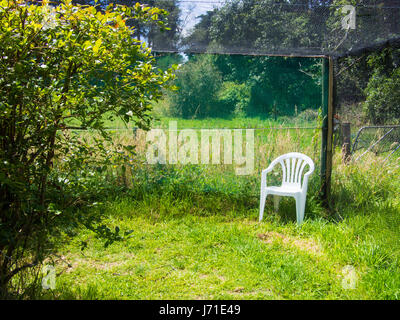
<point x="49" y="58"/>
<point x="308" y="115"/>
<point x="382" y="104"/>
<point x="234" y="98"/>
<point x="198" y="82"/>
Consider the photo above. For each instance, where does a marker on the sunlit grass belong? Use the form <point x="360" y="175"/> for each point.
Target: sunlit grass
<point x="193" y="233"/>
<point x="207" y="247"/>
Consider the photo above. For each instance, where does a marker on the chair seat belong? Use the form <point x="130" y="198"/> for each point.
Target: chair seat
<point x="283" y="190"/>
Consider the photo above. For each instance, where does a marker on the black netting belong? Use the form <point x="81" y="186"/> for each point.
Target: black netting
<point x="271" y="27"/>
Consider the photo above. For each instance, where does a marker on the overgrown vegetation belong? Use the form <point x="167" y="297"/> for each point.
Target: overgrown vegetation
<point x="368" y="87"/>
<point x="382" y="92"/>
<point x="240" y="86"/>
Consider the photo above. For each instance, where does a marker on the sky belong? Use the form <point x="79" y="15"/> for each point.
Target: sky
<point x="191" y="9"/>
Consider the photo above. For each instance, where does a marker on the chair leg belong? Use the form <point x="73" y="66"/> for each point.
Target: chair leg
<point x="300" y="206"/>
<point x="277" y="199"/>
<point x="263" y="197"/>
<point x="303" y="208"/>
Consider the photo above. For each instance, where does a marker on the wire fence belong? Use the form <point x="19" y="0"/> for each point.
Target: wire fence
<point x="377" y="139"/>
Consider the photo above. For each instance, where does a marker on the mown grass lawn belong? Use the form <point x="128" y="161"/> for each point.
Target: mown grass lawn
<point x="180" y="249"/>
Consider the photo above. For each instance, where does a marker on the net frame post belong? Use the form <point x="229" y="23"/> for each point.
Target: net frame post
<point x="327" y="128"/>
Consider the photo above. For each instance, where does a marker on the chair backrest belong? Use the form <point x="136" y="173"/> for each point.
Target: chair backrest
<point x="293" y="165"/>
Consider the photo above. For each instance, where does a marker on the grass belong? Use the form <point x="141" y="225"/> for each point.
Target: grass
<point x="234" y="123"/>
<point x="192" y="232"/>
<point x="307" y="119"/>
<point x="207" y="248"/>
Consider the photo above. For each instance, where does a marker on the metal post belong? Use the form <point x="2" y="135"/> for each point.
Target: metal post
<point x="327" y="128"/>
<point x="346" y="147"/>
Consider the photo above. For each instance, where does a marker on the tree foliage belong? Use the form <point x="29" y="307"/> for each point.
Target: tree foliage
<point x="382" y="105"/>
<point x="61" y="65"/>
<point x="150" y="31"/>
<point x="296" y="27"/>
<point x="233" y="85"/>
<point x="198" y="83"/>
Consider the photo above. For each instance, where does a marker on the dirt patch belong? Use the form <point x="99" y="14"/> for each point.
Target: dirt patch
<point x="243" y="294"/>
<point x="307" y="245"/>
<point x="74" y="265"/>
<point x="108" y="265"/>
<point x="206" y="276"/>
<point x="221" y="278"/>
<point x="71" y="263"/>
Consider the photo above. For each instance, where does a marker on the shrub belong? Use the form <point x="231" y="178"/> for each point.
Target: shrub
<point x="60" y="65"/>
<point x="383" y="98"/>
<point x="382" y="104"/>
<point x="308" y="115"/>
<point x="234" y="98"/>
<point x="198" y="83"/>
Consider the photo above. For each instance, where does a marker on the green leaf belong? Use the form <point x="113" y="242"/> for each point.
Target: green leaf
<point x="97" y="46"/>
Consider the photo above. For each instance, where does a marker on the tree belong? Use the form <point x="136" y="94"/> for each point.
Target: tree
<point x="263" y="26"/>
<point x="266" y="26"/>
<point x="156" y="38"/>
<point x="199" y="37"/>
<point x="198" y="82"/>
<point x="166" y="38"/>
<point x="60" y="65"/>
<point x="278" y="84"/>
<point x="382" y="104"/>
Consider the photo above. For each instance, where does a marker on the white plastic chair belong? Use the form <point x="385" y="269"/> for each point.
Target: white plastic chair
<point x="293" y="165"/>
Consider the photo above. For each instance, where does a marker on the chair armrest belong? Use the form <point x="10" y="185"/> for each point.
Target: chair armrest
<point x="305" y="179"/>
<point x="264" y="172"/>
<point x="269" y="169"/>
<point x="264" y="175"/>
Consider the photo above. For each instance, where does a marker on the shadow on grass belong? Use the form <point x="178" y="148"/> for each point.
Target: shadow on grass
<point x="89" y="292"/>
